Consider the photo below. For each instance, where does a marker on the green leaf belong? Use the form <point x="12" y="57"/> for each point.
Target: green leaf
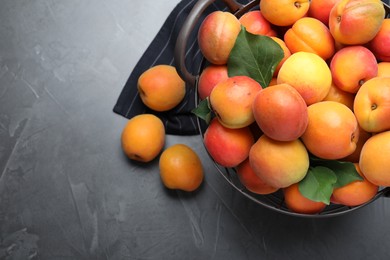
<point x="256" y="56"/>
<point x="203" y="110"/>
<point x="345" y="171"/>
<point x="318" y="184"/>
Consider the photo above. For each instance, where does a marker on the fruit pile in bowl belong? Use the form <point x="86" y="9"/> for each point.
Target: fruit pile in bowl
<point x="294" y="102"/>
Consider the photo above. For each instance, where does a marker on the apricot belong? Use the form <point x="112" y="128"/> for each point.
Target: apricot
<point x="298" y="203"/>
<point x="161" y="88"/>
<point x="255" y="23"/>
<point x="372" y="105"/>
<point x="355" y="156"/>
<point x="380" y="44"/>
<point x="355" y="193"/>
<point x="284" y="12"/>
<point x="251" y="181"/>
<point x="281" y="112"/>
<point x="209" y="78"/>
<point x="143" y="137"/>
<point x="341" y="96"/>
<point x="332" y="131"/>
<point x="310" y="35"/>
<point x="355" y="22"/>
<point x="286" y="54"/>
<point x="279" y="163"/>
<point x="228" y="147"/>
<point x="231" y="101"/>
<point x="217" y="35"/>
<point x="181" y="168"/>
<point x="309" y="74"/>
<point x="383" y="69"/>
<point x="374" y="160"/>
<point x="352" y="66"/>
<point x="320" y="9"/>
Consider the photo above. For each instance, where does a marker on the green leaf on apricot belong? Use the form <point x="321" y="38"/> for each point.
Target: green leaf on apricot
<point x="345" y="171"/>
<point x="203" y="110"/>
<point x="255" y="56"/>
<point x="318" y="184"/>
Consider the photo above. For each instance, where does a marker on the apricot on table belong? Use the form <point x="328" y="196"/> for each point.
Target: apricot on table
<point x="181" y="168"/>
<point x="143" y="137"/>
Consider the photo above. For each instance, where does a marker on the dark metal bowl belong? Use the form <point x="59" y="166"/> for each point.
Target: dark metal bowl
<point x="274" y="201"/>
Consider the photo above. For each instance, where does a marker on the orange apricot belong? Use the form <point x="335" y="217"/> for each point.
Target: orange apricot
<point x="298" y="203"/>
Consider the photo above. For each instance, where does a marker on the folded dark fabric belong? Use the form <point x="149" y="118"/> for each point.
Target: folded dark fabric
<point x="179" y="120"/>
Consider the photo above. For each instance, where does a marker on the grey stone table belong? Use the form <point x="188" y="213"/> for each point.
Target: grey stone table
<point x="68" y="192"/>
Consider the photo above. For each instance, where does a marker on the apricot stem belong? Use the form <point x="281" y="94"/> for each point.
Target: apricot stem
<point x="339" y="18"/>
<point x="374" y="106"/>
<point x="353" y="137"/>
<point x="297" y="4"/>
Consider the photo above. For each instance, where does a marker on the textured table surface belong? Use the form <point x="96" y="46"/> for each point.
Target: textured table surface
<point x="68" y="192"/>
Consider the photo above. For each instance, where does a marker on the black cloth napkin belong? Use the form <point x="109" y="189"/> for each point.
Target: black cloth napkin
<point x="179" y="120"/>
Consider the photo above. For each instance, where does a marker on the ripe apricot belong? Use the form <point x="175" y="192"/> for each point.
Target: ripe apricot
<point x="209" y="78"/>
<point x="356" y="22"/>
<point x="351" y="66"/>
<point x="228" y="147"/>
<point x="308" y="73"/>
<point x="310" y="35"/>
<point x="380" y="45"/>
<point x="332" y="132"/>
<point x="383" y="69"/>
<point x="251" y="181"/>
<point x="217" y="35"/>
<point x="284" y="12"/>
<point x="341" y="96"/>
<point x="255" y="23"/>
<point x="143" y="137"/>
<point x="372" y="105"/>
<point x="374" y="160"/>
<point x="298" y="203"/>
<point x="320" y="9"/>
<point x="355" y="193"/>
<point x="281" y="112"/>
<point x="161" y="88"/>
<point x="286" y="54"/>
<point x="231" y="101"/>
<point x="279" y="163"/>
<point x="355" y="156"/>
<point x="181" y="168"/>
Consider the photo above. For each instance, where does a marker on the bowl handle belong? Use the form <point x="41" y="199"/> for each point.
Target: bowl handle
<point x="386" y="192"/>
<point x="187" y="27"/>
